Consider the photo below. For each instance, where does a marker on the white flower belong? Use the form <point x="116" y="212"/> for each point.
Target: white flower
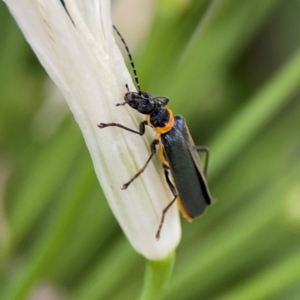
<point x="83" y="60"/>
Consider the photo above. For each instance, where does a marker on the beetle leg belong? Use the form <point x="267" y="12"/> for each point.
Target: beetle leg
<point x="140" y="132"/>
<point x="206" y="151"/>
<point x="153" y="151"/>
<point x="175" y="194"/>
<point x="163" y="99"/>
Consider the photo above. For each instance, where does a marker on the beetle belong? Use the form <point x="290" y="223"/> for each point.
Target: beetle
<point x="177" y="150"/>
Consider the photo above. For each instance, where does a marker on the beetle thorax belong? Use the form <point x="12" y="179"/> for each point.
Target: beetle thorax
<point x="160" y="115"/>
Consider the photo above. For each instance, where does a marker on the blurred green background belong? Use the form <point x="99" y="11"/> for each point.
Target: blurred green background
<point x="232" y="69"/>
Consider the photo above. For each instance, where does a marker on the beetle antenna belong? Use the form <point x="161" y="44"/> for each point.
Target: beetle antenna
<point x="130" y="59"/>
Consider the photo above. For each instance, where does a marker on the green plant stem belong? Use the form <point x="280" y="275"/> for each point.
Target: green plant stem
<point x="157" y="277"/>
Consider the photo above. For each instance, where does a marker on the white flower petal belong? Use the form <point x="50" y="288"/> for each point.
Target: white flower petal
<point x="85" y="63"/>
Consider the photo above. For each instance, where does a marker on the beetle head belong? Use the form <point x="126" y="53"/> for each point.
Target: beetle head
<point x="141" y="101"/>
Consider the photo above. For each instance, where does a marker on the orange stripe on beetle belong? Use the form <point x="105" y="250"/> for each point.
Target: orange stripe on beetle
<point x="183" y="210"/>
